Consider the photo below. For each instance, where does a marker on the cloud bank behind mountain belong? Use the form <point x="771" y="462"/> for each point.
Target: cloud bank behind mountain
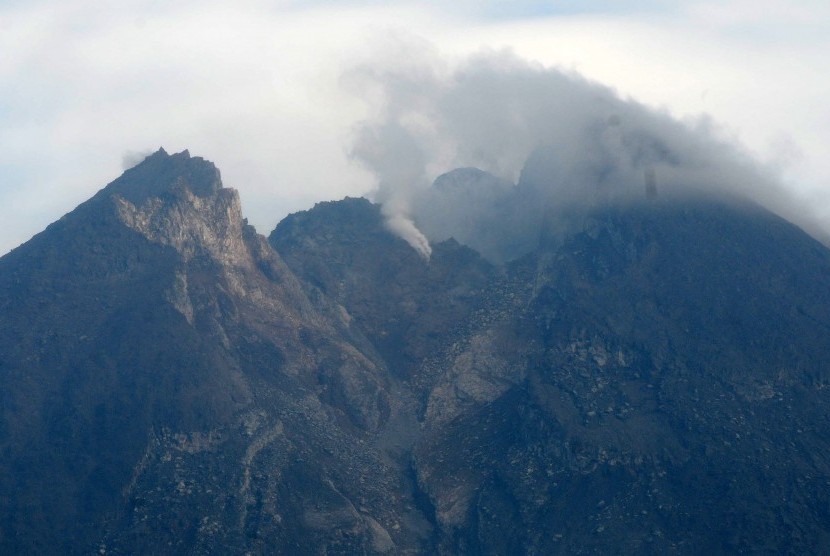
<point x="566" y="142"/>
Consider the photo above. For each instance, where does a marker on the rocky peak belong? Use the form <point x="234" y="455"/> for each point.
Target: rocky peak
<point x="178" y="200"/>
<point x="163" y="174"/>
<point x="649" y="379"/>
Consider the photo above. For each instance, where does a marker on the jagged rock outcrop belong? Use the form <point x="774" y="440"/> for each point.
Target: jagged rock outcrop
<point x="405" y="306"/>
<point x="649" y="378"/>
<point x="166" y="380"/>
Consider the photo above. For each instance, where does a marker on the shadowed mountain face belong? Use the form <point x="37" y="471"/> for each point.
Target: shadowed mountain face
<point x="155" y="353"/>
<point x="673" y="397"/>
<point x="654" y="380"/>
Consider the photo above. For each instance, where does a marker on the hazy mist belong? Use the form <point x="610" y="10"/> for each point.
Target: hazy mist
<point x="567" y="143"/>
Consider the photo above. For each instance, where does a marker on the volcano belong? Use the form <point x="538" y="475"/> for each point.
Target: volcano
<point x="651" y="377"/>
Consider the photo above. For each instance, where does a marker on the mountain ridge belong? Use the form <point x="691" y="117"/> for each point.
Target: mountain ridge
<point x="650" y="379"/>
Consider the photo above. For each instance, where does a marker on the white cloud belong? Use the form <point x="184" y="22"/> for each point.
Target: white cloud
<point x="256" y="87"/>
<point x="759" y="84"/>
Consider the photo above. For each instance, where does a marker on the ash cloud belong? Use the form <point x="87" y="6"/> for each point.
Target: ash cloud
<point x="534" y="144"/>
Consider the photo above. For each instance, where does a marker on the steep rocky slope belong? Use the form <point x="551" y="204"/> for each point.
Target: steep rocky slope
<point x="406" y="306"/>
<point x="654" y="379"/>
<point x="674" y="397"/>
<point x="164" y="380"/>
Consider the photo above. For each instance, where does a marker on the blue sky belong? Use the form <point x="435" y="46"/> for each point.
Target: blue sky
<point x="258" y="86"/>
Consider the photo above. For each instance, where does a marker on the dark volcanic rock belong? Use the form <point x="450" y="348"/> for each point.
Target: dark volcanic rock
<point x="163" y="380"/>
<point x="652" y="379"/>
<point x="407" y="307"/>
<point x="674" y="397"/>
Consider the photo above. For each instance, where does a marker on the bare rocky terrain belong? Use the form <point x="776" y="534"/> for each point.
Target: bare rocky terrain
<point x="653" y="379"/>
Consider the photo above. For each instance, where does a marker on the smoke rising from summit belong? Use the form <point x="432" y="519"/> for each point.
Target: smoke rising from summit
<point x="565" y="142"/>
<point x="132" y="158"/>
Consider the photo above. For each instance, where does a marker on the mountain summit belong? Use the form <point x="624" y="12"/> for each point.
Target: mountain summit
<point x="650" y="378"/>
<point x="161" y="173"/>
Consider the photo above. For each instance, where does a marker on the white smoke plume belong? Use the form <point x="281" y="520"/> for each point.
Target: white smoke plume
<point x="398" y="161"/>
<point x="564" y="141"/>
<point x="133" y="158"/>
